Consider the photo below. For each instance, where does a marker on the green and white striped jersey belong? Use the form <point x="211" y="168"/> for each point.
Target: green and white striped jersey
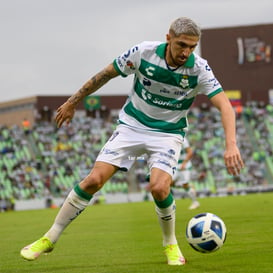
<point x="161" y="97"/>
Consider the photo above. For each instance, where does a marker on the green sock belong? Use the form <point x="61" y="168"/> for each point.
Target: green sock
<point x="165" y="203"/>
<point x="82" y="193"/>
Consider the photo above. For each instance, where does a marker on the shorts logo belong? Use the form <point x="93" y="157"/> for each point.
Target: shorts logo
<point x="109" y="152"/>
<point x="169" y="155"/>
<point x="171" y="152"/>
<point x="166" y="163"/>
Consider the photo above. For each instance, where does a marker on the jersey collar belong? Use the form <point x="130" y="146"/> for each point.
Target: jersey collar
<point x="161" y="49"/>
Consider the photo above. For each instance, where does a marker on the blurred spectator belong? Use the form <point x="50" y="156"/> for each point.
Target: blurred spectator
<point x="30" y="167"/>
<point x="26" y="126"/>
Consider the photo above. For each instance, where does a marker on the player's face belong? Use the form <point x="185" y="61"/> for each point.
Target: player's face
<point x="179" y="48"/>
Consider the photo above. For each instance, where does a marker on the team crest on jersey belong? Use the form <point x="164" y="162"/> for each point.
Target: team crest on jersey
<point x="184" y="83"/>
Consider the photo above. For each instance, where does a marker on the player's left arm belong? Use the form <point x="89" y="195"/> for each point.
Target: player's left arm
<point x="232" y="156"/>
<point x="189" y="155"/>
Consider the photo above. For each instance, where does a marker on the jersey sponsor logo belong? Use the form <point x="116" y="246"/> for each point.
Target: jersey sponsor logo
<point x="181" y="93"/>
<point x="164" y="91"/>
<point x="146" y="95"/>
<point x="214" y="81"/>
<point x="160" y="102"/>
<point x="146" y="82"/>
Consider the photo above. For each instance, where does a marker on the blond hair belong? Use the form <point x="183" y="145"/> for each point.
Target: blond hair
<point x="184" y="25"/>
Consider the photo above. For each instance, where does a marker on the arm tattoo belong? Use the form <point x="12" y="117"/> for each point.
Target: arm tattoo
<point x="91" y="86"/>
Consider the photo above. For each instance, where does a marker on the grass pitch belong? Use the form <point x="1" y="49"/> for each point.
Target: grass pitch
<point x="126" y="238"/>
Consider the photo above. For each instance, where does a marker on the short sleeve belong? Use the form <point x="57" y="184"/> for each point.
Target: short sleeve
<point x="208" y="83"/>
<point x="128" y="62"/>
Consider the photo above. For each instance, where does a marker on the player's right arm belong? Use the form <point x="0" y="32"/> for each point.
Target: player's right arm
<point x="66" y="111"/>
<point x="123" y="65"/>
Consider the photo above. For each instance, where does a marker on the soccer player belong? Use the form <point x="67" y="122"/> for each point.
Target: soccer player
<point x="183" y="173"/>
<point x="167" y="78"/>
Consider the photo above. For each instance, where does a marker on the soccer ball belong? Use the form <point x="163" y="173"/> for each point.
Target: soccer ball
<point x="206" y="232"/>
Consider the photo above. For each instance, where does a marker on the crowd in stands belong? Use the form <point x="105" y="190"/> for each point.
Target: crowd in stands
<point x="254" y="134"/>
<point x="45" y="161"/>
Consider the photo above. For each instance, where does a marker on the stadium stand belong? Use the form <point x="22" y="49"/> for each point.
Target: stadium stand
<point x="48" y="161"/>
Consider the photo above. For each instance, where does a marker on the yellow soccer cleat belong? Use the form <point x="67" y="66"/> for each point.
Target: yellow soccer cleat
<point x="34" y="250"/>
<point x="174" y="255"/>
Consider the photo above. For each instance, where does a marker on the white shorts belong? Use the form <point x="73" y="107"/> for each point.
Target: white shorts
<point x="126" y="145"/>
<point x="181" y="177"/>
